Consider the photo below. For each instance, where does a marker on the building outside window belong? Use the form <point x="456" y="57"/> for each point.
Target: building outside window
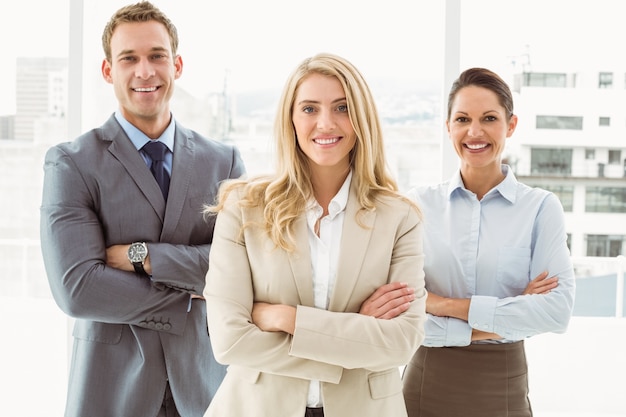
<point x="605" y="245"/>
<point x="551" y="161"/>
<point x="604" y="121"/>
<point x="590" y="154"/>
<point x="605" y="80"/>
<point x="559" y="122"/>
<point x="545" y="79"/>
<point x="615" y="156"/>
<point x="605" y="200"/>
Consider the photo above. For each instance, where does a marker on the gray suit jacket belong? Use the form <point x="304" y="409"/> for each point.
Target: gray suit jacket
<point x="133" y="333"/>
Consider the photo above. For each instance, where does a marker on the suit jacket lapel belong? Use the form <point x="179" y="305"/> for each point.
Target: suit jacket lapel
<point x="355" y="240"/>
<point x="122" y="149"/>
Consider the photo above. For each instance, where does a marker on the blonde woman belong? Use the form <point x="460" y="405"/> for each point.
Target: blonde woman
<point x="315" y="294"/>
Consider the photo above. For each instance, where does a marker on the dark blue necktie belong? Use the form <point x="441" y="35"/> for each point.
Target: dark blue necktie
<point x="156" y="151"/>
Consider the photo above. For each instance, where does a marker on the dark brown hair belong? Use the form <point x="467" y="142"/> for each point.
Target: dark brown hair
<point x="484" y="78"/>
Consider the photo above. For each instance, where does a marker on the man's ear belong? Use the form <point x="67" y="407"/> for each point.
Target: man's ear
<point x="178" y="67"/>
<point x="106" y="71"/>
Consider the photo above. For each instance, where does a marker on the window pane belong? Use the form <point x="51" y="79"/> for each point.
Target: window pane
<point x="551" y="161"/>
<point x="605" y="200"/>
<point x="560" y="122"/>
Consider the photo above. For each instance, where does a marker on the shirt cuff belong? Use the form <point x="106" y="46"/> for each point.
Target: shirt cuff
<point x="459" y="333"/>
<point x="482" y="313"/>
<point x="446" y="331"/>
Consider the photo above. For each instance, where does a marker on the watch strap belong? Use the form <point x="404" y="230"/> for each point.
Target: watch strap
<point x="139" y="268"/>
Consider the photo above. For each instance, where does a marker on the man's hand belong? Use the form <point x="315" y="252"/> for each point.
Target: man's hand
<point x="388" y="301"/>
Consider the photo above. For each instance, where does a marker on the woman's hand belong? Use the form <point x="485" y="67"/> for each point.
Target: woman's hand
<point x="541" y="284"/>
<point x="274" y="317"/>
<point x="388" y="301"/>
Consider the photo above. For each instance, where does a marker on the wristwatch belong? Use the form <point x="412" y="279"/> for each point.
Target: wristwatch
<point x="137" y="254"/>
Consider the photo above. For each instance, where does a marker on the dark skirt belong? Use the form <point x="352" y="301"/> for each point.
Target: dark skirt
<point x="480" y="380"/>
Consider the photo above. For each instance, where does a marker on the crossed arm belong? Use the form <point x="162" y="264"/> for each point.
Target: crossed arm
<point x="389" y="301"/>
<point x="459" y="307"/>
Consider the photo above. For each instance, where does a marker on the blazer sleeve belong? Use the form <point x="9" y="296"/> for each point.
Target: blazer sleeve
<point x="229" y="295"/>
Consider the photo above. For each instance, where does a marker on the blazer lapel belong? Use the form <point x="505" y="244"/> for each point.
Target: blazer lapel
<point x="124" y="151"/>
<point x="300" y="262"/>
<point x="355" y="240"/>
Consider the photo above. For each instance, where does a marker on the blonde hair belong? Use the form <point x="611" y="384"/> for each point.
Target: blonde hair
<point x="284" y="196"/>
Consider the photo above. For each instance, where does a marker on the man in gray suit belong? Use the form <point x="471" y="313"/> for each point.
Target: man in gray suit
<point x="126" y="257"/>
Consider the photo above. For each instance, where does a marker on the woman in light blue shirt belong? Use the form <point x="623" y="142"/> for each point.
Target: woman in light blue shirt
<point x="497" y="267"/>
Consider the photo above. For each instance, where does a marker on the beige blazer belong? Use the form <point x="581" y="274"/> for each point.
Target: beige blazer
<point x="356" y="357"/>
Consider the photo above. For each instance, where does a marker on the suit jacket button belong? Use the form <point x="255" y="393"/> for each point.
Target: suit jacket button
<point x="151" y="324"/>
<point x="159" y="326"/>
<point x="167" y="326"/>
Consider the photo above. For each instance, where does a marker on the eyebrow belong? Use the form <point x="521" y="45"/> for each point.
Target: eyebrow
<point x="132" y="51"/>
<point x="484" y="113"/>
<point x="316" y="102"/>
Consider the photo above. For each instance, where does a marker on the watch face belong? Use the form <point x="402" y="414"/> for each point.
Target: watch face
<point x="137" y="252"/>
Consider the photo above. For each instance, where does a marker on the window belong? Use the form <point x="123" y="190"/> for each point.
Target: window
<point x="615" y="157"/>
<point x="604" y="121"/>
<point x="590" y="154"/>
<point x="605" y="245"/>
<point x="605" y="200"/>
<point x="559" y="122"/>
<point x="551" y="161"/>
<point x="605" y="80"/>
<point x="544" y="79"/>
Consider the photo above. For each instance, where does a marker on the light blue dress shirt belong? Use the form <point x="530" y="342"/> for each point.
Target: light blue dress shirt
<point x="138" y="138"/>
<point x="488" y="251"/>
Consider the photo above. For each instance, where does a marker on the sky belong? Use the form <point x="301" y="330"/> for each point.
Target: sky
<point x="259" y="42"/>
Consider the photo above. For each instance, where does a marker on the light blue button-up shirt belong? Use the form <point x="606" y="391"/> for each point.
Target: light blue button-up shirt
<point x="138" y="138"/>
<point x="488" y="251"/>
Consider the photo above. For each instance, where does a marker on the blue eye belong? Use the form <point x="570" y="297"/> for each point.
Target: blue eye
<point x="343" y="108"/>
<point x="308" y="109"/>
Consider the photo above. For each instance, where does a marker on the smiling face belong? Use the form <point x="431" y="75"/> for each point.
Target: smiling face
<point x="142" y="71"/>
<point x="322" y="124"/>
<point x="478" y="127"/>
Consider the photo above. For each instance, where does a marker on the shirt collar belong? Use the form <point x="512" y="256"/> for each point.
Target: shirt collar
<point x="138" y="138"/>
<point x="336" y="206"/>
<point x="506" y="188"/>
